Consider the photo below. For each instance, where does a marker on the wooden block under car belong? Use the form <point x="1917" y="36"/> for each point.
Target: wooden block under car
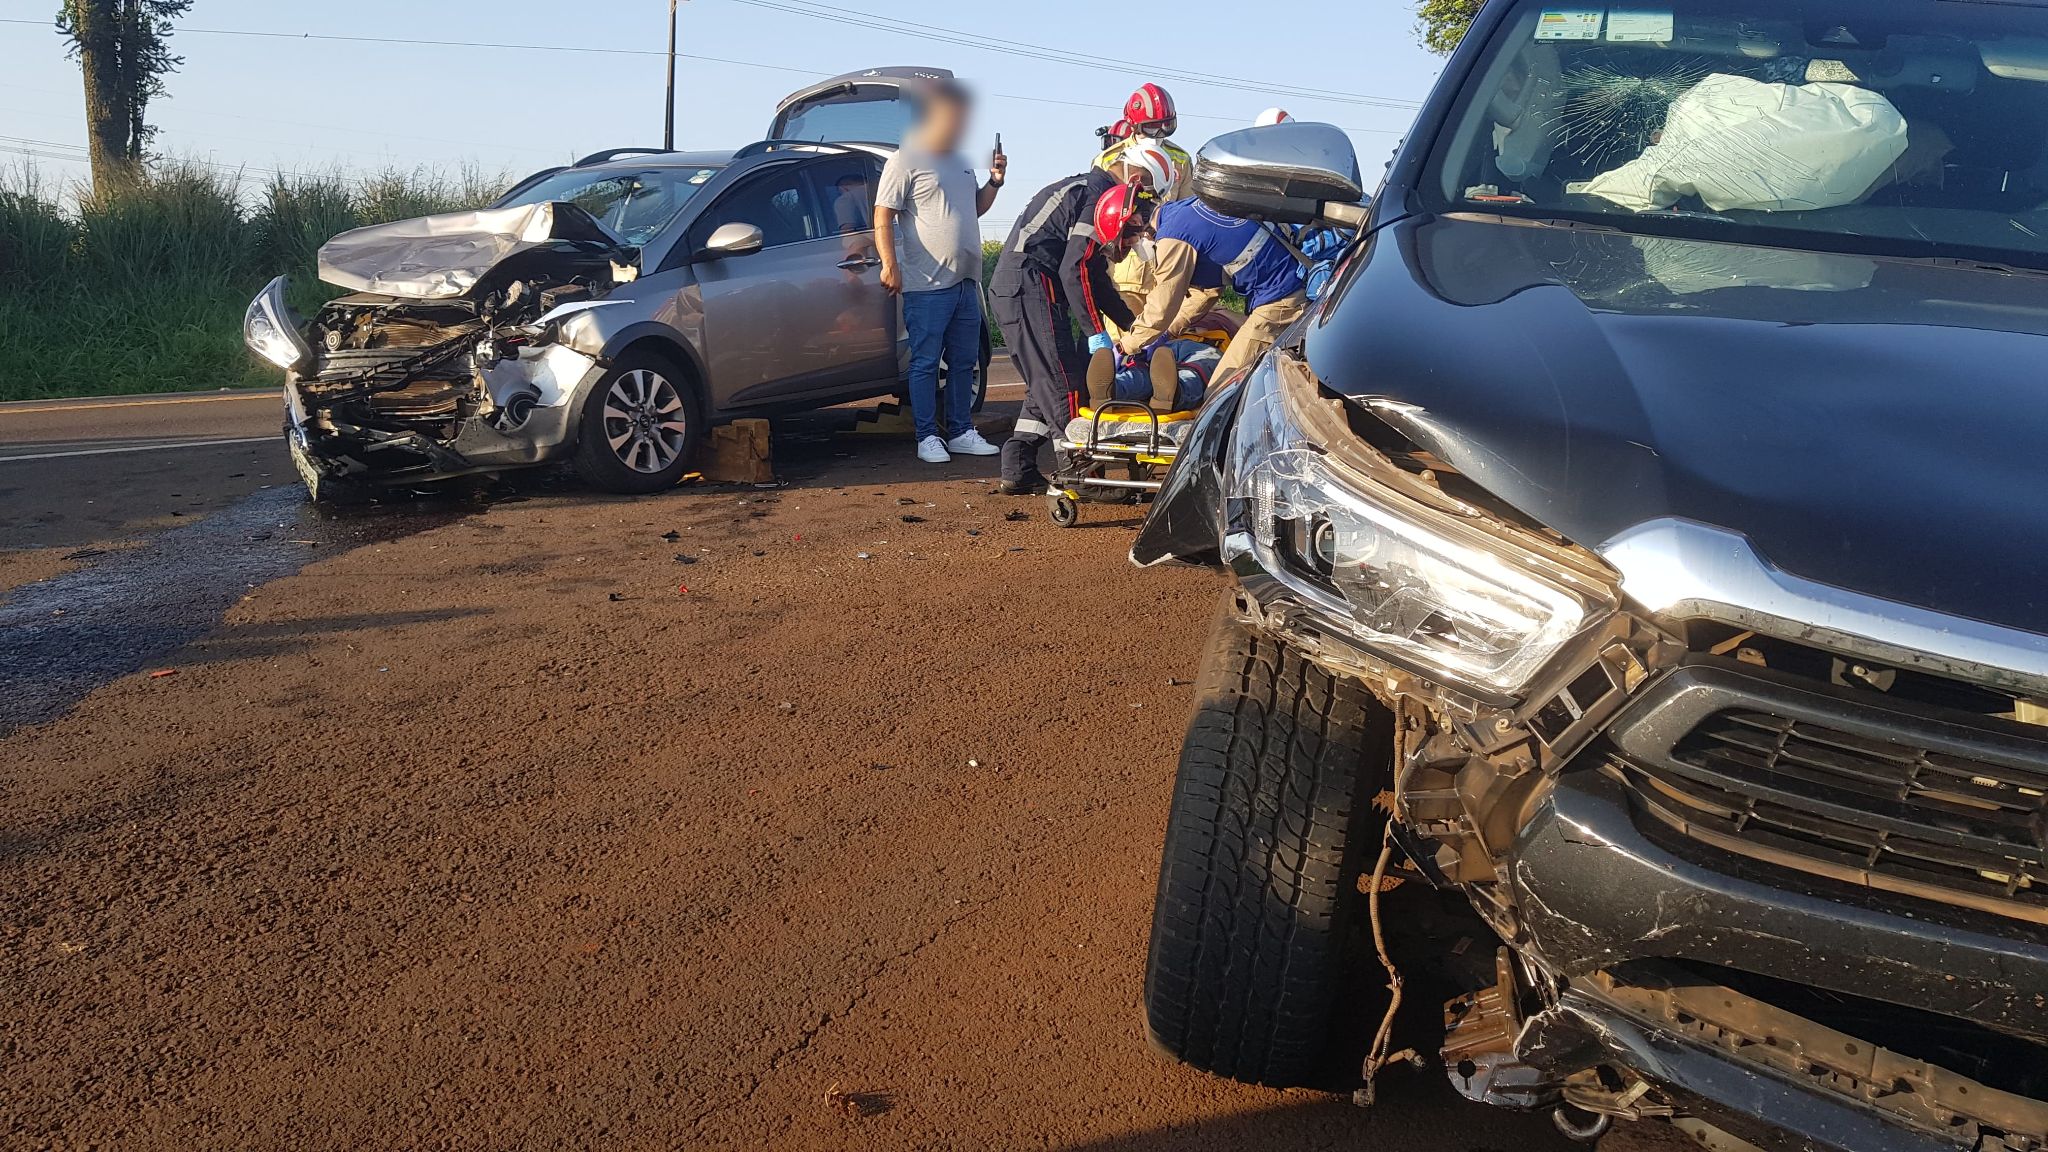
<point x="738" y="453"/>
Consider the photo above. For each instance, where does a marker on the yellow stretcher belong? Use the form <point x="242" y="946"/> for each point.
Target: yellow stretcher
<point x="1084" y="473"/>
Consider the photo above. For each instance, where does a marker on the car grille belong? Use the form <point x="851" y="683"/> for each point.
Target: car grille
<point x="1867" y="796"/>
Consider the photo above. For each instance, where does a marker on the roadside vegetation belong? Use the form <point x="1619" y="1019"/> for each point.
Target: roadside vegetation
<point x="142" y="289"/>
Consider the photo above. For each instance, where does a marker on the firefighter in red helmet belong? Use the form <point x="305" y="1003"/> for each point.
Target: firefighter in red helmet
<point x="1053" y="274"/>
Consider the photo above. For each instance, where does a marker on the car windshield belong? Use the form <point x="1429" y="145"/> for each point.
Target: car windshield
<point x="636" y="204"/>
<point x="1902" y="127"/>
<point x="867" y="116"/>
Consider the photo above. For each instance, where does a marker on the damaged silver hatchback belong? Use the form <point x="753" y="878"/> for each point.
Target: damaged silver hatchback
<point x="605" y="313"/>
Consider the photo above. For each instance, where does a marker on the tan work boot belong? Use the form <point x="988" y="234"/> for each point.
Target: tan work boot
<point x="1165" y="380"/>
<point x="1101" y="378"/>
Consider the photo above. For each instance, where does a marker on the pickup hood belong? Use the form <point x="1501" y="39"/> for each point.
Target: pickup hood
<point x="1872" y="424"/>
<point x="443" y="256"/>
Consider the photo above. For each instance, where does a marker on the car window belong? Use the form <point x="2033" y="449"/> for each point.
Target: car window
<point x="776" y="201"/>
<point x="845" y="185"/>
<point x="636" y="204"/>
<point x="1903" y="127"/>
<point x="870" y="115"/>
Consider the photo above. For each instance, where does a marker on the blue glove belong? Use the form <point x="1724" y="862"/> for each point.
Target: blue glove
<point x="1100" y="342"/>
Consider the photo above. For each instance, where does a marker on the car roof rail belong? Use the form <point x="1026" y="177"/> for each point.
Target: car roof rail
<point x="763" y="147"/>
<point x="615" y="153"/>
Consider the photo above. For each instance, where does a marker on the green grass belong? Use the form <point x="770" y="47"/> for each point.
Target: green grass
<point x="144" y="291"/>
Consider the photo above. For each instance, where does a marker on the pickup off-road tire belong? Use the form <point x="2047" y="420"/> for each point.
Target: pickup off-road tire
<point x="1270" y="822"/>
<point x="640" y="427"/>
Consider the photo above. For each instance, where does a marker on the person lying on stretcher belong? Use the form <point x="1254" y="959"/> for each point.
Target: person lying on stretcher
<point x="1173" y="377"/>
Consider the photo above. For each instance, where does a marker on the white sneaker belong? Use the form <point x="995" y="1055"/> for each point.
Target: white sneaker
<point x="970" y="443"/>
<point x="932" y="450"/>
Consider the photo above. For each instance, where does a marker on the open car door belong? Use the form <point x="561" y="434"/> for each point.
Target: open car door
<point x="869" y="107"/>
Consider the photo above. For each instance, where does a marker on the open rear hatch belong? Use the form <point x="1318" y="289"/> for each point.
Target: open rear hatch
<point x="867" y="107"/>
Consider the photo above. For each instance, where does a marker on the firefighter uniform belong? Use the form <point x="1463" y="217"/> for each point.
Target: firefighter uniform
<point x="1052" y="272"/>
<point x="1133" y="274"/>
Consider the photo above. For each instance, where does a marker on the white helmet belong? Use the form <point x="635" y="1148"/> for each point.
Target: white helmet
<point x="1272" y="116"/>
<point x="1148" y="157"/>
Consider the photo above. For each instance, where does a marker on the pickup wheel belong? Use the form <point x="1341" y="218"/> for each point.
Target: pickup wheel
<point x="1270" y="821"/>
<point x="641" y="426"/>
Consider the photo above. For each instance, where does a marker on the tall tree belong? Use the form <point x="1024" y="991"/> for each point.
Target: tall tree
<point x="1441" y="23"/>
<point x="123" y="50"/>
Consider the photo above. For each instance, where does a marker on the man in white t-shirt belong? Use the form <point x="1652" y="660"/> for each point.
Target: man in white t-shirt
<point x="934" y="260"/>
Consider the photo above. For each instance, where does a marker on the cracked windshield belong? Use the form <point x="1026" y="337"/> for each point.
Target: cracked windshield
<point x="636" y="205"/>
<point x="1901" y="128"/>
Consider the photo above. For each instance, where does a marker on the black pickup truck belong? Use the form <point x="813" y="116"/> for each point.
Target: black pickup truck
<point x="1646" y="538"/>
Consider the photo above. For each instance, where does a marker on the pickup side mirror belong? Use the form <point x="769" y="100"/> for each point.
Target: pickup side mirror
<point x="733" y="239"/>
<point x="1290" y="173"/>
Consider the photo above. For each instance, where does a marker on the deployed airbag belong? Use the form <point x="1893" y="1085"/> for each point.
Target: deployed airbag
<point x="443" y="256"/>
<point x="1742" y="144"/>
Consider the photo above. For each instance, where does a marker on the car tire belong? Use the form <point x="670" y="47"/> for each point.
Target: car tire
<point x="1270" y="822"/>
<point x="625" y="440"/>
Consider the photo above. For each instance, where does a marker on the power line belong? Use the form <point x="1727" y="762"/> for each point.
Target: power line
<point x="81" y="155"/>
<point x="821" y="11"/>
<point x="599" y="50"/>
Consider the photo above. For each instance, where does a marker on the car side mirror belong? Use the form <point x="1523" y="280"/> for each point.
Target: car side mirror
<point x="734" y="239"/>
<point x="1289" y="173"/>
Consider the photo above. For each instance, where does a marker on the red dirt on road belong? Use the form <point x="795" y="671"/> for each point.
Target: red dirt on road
<point x="519" y="832"/>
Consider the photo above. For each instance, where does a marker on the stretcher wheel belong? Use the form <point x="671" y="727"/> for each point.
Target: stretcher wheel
<point x="1063" y="509"/>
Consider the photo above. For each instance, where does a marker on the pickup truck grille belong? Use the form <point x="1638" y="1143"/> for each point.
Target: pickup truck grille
<point x="1869" y="796"/>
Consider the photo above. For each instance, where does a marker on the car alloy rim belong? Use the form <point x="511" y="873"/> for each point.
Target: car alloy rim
<point x="644" y="421"/>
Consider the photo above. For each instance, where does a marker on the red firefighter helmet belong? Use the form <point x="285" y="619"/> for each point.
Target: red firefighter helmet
<point x="1115" y="211"/>
<point x="1150" y="111"/>
<point x="1115" y="133"/>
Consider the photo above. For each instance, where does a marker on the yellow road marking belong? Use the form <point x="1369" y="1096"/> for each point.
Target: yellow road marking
<point x="273" y="397"/>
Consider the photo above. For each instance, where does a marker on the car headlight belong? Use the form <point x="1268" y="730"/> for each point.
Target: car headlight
<point x="268" y="330"/>
<point x="1428" y="590"/>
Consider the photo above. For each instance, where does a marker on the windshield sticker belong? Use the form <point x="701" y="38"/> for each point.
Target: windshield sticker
<point x="703" y="174"/>
<point x="1639" y="26"/>
<point x="1570" y="23"/>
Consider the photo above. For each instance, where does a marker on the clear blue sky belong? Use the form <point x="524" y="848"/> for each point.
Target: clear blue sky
<point x="307" y="105"/>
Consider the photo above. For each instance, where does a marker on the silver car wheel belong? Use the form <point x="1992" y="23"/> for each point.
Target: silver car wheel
<point x="644" y="421"/>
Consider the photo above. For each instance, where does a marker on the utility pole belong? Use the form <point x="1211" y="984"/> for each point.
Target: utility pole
<point x="668" y="123"/>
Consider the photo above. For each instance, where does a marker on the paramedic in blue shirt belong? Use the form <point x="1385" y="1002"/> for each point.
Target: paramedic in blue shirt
<point x="1196" y="250"/>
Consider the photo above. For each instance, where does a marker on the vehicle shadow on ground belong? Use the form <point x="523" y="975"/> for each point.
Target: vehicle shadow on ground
<point x="1423" y="1124"/>
<point x="235" y="642"/>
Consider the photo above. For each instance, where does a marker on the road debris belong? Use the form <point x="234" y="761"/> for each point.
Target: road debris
<point x="1016" y="517"/>
<point x="857" y="1104"/>
<point x="913" y="519"/>
<point x="671" y="535"/>
<point x="685" y="558"/>
<point x="615" y="597"/>
<point x="163" y="672"/>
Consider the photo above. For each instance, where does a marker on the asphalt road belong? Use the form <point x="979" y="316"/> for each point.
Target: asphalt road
<point x="818" y="817"/>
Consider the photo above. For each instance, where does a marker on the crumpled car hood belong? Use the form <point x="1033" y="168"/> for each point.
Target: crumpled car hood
<point x="1875" y="425"/>
<point x="443" y="256"/>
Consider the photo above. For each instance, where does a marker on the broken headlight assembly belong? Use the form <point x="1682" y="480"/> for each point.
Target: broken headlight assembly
<point x="268" y="330"/>
<point x="1404" y="576"/>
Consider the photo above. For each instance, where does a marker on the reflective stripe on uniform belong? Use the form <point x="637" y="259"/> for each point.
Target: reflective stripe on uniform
<point x="1052" y="204"/>
<point x="1031" y="428"/>
<point x="1084" y="230"/>
<point x="1260" y="238"/>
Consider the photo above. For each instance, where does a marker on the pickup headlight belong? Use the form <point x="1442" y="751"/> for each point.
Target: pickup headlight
<point x="268" y="330"/>
<point x="1441" y="594"/>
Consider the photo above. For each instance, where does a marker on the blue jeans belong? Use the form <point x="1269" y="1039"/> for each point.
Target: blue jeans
<point x="946" y="322"/>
